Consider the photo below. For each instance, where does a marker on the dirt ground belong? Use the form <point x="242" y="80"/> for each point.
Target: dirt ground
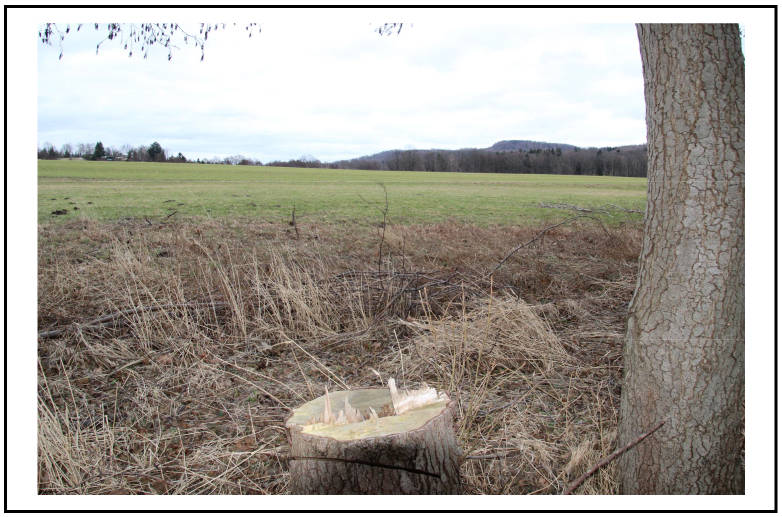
<point x="171" y="352"/>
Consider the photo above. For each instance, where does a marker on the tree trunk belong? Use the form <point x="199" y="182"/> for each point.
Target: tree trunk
<point x="684" y="349"/>
<point x="382" y="453"/>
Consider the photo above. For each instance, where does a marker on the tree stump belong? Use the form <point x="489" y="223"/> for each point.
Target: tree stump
<point x="375" y="441"/>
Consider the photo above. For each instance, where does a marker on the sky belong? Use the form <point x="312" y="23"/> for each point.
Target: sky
<point x="324" y="84"/>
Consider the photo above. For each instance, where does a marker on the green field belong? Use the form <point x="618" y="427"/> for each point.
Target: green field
<point x="115" y="190"/>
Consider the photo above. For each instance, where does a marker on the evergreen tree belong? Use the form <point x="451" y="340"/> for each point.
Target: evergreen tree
<point x="156" y="152"/>
<point x="99" y="152"/>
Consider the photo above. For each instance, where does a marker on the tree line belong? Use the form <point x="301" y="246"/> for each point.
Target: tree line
<point x="629" y="161"/>
<point x="97" y="151"/>
<point x="606" y="161"/>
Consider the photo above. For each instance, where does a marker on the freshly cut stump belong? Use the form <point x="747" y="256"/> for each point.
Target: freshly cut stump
<point x="371" y="444"/>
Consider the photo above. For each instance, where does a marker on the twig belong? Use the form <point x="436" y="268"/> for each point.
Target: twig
<point x="565" y="206"/>
<point x="541" y="234"/>
<point x="111" y="318"/>
<point x="248" y="381"/>
<point x="536" y="237"/>
<point x="127" y="365"/>
<point x="383" y="235"/>
<point x="384" y="212"/>
<point x="293" y="221"/>
<point x="609" y="459"/>
<point x="604" y="209"/>
<point x="628" y="210"/>
<point x="496" y="455"/>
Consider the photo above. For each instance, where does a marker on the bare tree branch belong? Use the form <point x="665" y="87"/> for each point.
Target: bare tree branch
<point x="109" y="319"/>
<point x="389" y="29"/>
<point x="541" y="234"/>
<point x="605" y="461"/>
<point x="141" y="37"/>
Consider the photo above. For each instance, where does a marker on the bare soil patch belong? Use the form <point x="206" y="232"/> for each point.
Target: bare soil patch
<point x="171" y="351"/>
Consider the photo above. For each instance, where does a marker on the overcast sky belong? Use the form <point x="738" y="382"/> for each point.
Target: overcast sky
<point x="323" y="83"/>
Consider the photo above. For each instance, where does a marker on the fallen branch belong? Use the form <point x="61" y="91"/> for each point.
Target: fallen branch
<point x="494" y="456"/>
<point x="565" y="206"/>
<point x="609" y="459"/>
<point x="606" y="209"/>
<point x="541" y="234"/>
<point x="126" y="365"/>
<point x="619" y="208"/>
<point x="109" y="319"/>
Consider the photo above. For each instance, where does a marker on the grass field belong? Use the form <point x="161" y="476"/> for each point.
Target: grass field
<point x="115" y="190"/>
<point x="172" y="349"/>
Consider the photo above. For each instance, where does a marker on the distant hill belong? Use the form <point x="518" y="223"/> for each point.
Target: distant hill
<point x="510" y="156"/>
<point x="527" y="145"/>
<point x="501" y="146"/>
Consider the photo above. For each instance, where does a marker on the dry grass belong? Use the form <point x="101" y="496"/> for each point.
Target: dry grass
<point x="238" y="321"/>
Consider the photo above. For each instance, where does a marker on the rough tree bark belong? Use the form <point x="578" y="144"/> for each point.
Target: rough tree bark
<point x="684" y="349"/>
